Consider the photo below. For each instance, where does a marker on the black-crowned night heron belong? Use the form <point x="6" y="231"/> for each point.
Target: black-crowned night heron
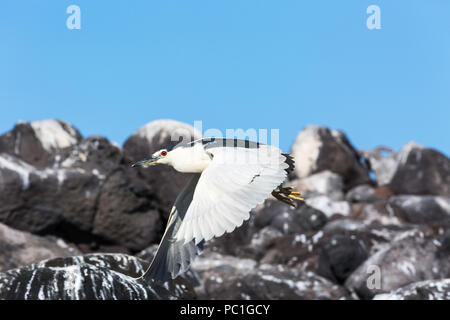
<point x="229" y="178"/>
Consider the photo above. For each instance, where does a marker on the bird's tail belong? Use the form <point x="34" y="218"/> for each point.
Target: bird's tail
<point x="172" y="259"/>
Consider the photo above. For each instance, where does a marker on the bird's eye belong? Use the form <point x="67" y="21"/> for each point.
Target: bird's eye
<point x="164" y="153"/>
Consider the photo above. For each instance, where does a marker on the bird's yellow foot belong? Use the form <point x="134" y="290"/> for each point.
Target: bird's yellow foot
<point x="287" y="195"/>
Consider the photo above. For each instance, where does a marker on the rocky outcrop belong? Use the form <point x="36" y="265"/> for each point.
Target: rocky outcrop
<point x="423" y="290"/>
<point x="354" y="237"/>
<point x="422" y="209"/>
<point x="411" y="257"/>
<point x="19" y="248"/>
<point x="268" y="223"/>
<point x="318" y="148"/>
<point x="36" y="142"/>
<point x="88" y="195"/>
<point x="323" y="183"/>
<point x="363" y="193"/>
<point x="422" y="171"/>
<point x="339" y="256"/>
<point x="225" y="277"/>
<point x="89" y="277"/>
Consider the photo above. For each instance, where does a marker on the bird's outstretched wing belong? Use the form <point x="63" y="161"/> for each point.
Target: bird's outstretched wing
<point x="174" y="258"/>
<point x="236" y="180"/>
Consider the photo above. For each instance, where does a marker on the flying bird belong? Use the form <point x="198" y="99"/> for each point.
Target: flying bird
<point x="229" y="178"/>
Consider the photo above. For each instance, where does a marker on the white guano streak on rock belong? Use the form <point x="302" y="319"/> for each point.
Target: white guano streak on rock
<point x="24" y="170"/>
<point x="166" y="127"/>
<point x="52" y="135"/>
<point x="72" y="281"/>
<point x="21" y="168"/>
<point x="306" y="151"/>
<point x="27" y="292"/>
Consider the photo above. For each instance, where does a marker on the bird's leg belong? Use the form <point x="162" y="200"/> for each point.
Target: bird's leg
<point x="287" y="195"/>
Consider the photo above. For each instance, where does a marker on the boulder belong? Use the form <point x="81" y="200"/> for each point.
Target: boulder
<point x="378" y="212"/>
<point x="422" y="171"/>
<point x="288" y="219"/>
<point x="375" y="236"/>
<point x="36" y="142"/>
<point x="383" y="162"/>
<point x="319" y="148"/>
<point x="87" y="195"/>
<point x="339" y="256"/>
<point x="18" y="248"/>
<point x="40" y="200"/>
<point x="275" y="218"/>
<point x="410" y="257"/>
<point x="261" y="241"/>
<point x="363" y="193"/>
<point x="422" y="209"/>
<point x="150" y="138"/>
<point x="299" y="220"/>
<point x="328" y="206"/>
<point x="322" y="183"/>
<point x="226" y="277"/>
<point x="292" y="249"/>
<point x="333" y="252"/>
<point x="89" y="277"/>
<point x="422" y="290"/>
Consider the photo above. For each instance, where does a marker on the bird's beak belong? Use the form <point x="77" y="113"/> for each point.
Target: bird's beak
<point x="146" y="162"/>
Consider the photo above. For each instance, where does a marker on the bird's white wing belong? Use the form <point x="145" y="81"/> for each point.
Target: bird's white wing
<point x="236" y="180"/>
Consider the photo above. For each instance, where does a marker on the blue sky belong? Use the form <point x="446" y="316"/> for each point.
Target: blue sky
<point x="232" y="64"/>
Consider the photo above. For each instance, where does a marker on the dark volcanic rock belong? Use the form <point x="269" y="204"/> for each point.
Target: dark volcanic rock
<point x="378" y="212"/>
<point x="226" y="277"/>
<point x="234" y="243"/>
<point x="36" y="142"/>
<point x="268" y="222"/>
<point x="18" y="248"/>
<point x="422" y="209"/>
<point x="89" y="195"/>
<point x="318" y="148"/>
<point x="40" y="200"/>
<point x="423" y="290"/>
<point x="411" y="257"/>
<point x="126" y="212"/>
<point x="151" y="138"/>
<point x="339" y="256"/>
<point x="362" y="193"/>
<point x="382" y="162"/>
<point x="287" y="219"/>
<point x="89" y="277"/>
<point x="322" y="183"/>
<point x="422" y="171"/>
<point x="328" y="206"/>
<point x="299" y="220"/>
